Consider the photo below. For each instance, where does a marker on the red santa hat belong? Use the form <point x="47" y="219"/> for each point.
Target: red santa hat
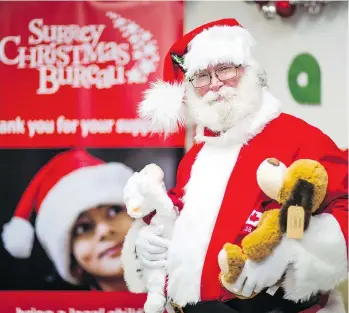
<point x="210" y="44"/>
<point x="69" y="184"/>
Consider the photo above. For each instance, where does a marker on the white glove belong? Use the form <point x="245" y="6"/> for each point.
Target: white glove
<point x="151" y="248"/>
<point x="256" y="276"/>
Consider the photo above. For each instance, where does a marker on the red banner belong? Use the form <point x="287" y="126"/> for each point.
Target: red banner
<point x="71" y="302"/>
<point x="72" y="73"/>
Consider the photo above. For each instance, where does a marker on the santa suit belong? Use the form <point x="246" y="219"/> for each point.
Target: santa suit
<point x="220" y="202"/>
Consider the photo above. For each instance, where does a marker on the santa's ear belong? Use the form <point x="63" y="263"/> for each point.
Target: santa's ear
<point x="270" y="177"/>
<point x="262" y="77"/>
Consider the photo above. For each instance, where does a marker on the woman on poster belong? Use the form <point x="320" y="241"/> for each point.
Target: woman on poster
<point x="81" y="221"/>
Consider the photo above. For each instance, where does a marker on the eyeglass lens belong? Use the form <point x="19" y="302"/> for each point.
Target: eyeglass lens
<point x="203" y="79"/>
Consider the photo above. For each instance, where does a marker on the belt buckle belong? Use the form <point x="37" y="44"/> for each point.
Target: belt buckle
<point x="177" y="308"/>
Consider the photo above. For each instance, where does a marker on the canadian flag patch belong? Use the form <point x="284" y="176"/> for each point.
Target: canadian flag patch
<point x="252" y="221"/>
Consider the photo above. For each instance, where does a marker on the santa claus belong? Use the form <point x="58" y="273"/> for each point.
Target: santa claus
<point x="211" y="76"/>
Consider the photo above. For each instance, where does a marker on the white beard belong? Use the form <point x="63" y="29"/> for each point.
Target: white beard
<point x="221" y="110"/>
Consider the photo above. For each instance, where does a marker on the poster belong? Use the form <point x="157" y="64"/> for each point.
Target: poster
<point x="72" y="74"/>
<point x="82" y="67"/>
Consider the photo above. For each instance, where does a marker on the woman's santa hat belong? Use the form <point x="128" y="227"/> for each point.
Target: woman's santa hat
<point x="222" y="41"/>
<point x="69" y="184"/>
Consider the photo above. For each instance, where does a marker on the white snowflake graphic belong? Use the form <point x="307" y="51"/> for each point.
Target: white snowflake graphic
<point x="135" y="76"/>
<point x="146" y="36"/>
<point x="137" y="54"/>
<point x="132" y="28"/>
<point x="120" y="22"/>
<point x="139" y="44"/>
<point x="150" y="48"/>
<point x="134" y="39"/>
<point x="147" y="66"/>
<point x="145" y="50"/>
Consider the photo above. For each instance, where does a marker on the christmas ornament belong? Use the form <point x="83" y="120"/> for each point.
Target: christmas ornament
<point x="285" y="9"/>
<point x="269" y="10"/>
<point x="315" y="7"/>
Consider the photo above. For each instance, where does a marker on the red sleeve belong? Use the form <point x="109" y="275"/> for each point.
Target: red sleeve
<point x="318" y="146"/>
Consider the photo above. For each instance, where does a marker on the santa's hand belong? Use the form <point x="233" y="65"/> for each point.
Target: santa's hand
<point x="257" y="276"/>
<point x="151" y="248"/>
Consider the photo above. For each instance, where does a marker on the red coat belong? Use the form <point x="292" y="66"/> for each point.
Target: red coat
<point x="286" y="138"/>
<point x="220" y="201"/>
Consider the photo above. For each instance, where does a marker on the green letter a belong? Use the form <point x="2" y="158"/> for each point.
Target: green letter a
<point x="304" y="79"/>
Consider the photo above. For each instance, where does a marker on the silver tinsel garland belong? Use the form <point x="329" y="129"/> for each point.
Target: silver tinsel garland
<point x="271" y="9"/>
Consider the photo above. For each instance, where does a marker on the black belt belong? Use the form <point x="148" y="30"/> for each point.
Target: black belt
<point x="262" y="303"/>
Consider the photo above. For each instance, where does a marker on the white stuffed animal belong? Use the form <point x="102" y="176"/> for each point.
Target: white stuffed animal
<point x="145" y="192"/>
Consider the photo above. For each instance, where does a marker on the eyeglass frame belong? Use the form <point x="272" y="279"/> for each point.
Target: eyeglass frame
<point x="215" y="72"/>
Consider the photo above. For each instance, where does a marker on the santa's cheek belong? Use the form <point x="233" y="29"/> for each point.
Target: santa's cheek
<point x="202" y="91"/>
<point x="233" y="83"/>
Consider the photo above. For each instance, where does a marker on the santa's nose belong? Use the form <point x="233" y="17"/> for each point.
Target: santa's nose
<point x="216" y="84"/>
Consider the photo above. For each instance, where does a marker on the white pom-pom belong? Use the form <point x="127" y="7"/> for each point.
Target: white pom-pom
<point x="270" y="176"/>
<point x="163" y="106"/>
<point x="18" y="237"/>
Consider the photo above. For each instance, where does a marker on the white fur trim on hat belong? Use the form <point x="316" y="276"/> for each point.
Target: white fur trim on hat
<point x="163" y="106"/>
<point x="18" y="237"/>
<point x="75" y="193"/>
<point x="219" y="44"/>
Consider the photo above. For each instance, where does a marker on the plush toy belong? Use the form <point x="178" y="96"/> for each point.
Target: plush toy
<point x="302" y="184"/>
<point x="145" y="192"/>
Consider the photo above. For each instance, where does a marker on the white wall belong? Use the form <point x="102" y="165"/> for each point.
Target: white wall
<point x="279" y="40"/>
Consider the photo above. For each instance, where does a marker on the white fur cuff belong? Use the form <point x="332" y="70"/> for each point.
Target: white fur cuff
<point x="321" y="263"/>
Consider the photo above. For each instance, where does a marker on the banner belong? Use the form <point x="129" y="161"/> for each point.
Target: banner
<point x="72" y="302"/>
<point x="72" y="73"/>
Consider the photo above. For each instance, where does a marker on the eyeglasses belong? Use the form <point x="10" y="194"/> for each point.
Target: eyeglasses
<point x="203" y="79"/>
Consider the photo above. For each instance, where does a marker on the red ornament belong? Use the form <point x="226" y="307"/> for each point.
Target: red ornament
<point x="285" y="8"/>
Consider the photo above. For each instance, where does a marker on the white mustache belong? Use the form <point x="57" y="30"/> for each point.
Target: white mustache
<point x="225" y="93"/>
